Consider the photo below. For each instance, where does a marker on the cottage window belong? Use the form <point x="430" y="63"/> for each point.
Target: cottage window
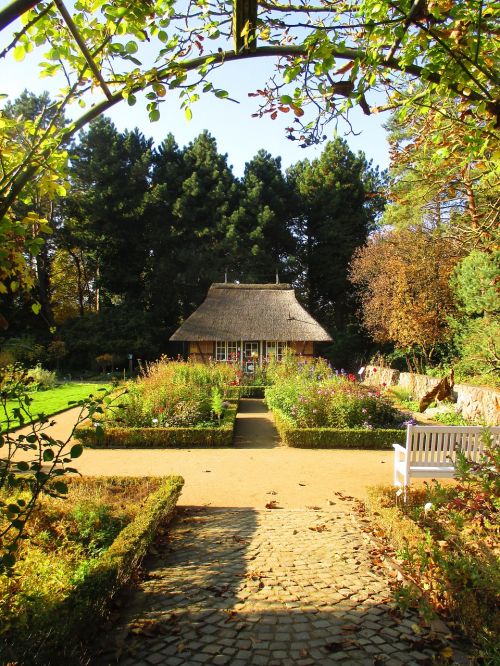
<point x="251" y="349"/>
<point x="232" y="351"/>
<point x="226" y="351"/>
<point x="274" y="350"/>
<point x="220" y="351"/>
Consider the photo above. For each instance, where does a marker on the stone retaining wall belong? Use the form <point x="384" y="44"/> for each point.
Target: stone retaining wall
<point x="474" y="402"/>
<point x="478" y="402"/>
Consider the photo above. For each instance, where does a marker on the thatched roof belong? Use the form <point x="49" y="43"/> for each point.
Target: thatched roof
<point x="250" y="312"/>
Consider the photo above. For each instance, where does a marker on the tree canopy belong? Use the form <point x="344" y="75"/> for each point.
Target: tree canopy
<point x="330" y="56"/>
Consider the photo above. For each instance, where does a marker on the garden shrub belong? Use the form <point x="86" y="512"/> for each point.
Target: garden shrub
<point x="244" y="391"/>
<point x="42" y="379"/>
<point x="447" y="540"/>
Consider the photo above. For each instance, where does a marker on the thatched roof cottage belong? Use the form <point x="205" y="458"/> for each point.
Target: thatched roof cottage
<point x="249" y="323"/>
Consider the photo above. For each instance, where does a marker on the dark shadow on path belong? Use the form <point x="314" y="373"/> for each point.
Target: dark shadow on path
<point x="254" y="428"/>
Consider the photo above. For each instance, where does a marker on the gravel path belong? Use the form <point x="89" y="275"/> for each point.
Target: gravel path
<point x="245" y="474"/>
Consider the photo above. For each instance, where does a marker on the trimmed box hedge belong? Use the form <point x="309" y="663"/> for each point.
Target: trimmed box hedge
<point x="335" y="438"/>
<point x="235" y="392"/>
<point x="80" y="616"/>
<point x="116" y="437"/>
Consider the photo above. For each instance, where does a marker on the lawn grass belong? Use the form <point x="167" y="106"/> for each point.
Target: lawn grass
<point x="52" y="401"/>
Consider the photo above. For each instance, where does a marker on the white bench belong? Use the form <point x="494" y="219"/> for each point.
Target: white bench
<point x="430" y="451"/>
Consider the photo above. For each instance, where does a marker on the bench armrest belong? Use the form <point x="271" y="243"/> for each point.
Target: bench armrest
<point x="398" y="448"/>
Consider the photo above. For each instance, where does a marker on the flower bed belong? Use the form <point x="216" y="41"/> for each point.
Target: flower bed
<point x="79" y="554"/>
<point x="315" y="408"/>
<point x="173" y="394"/>
<point x="446" y="540"/>
<point x="173" y="404"/>
<point x="209" y="436"/>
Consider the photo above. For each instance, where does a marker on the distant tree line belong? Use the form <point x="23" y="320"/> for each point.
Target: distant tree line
<point x="143" y="231"/>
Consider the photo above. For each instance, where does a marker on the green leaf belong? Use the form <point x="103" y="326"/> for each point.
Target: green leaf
<point x="19" y="53"/>
<point x="131" y="47"/>
<point x="188" y="113"/>
<point x="61" y="487"/>
<point x="36" y="307"/>
<point x="154" y="115"/>
<point x="131" y="100"/>
<point x="221" y="94"/>
<point x="22" y="466"/>
<point x="48" y="455"/>
<point x="76" y="451"/>
<point x="8" y="560"/>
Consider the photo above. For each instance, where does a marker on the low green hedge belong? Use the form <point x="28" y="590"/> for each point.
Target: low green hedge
<point x="115" y="437"/>
<point x="335" y="438"/>
<point x="235" y="392"/>
<point x="80" y="616"/>
<point x="115" y="566"/>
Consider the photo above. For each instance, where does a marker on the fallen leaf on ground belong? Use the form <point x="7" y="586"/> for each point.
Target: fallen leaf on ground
<point x="349" y="627"/>
<point x="331" y="502"/>
<point x="254" y="575"/>
<point x="302" y="484"/>
<point x="272" y="492"/>
<point x="335" y="646"/>
<point x="231" y="615"/>
<point x="319" y="528"/>
<point x="152" y="628"/>
<point x="314" y="508"/>
<point x="239" y="539"/>
<point x="447" y="652"/>
<point x="273" y="504"/>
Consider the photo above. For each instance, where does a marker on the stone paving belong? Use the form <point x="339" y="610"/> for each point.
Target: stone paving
<point x="273" y="588"/>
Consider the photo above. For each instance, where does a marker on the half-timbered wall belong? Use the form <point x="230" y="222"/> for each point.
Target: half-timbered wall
<point x="302" y="348"/>
<point x="201" y="351"/>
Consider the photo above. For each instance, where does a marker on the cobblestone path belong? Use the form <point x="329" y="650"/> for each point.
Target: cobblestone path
<point x="272" y="588"/>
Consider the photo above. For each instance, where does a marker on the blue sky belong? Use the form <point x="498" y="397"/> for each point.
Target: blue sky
<point x="237" y="133"/>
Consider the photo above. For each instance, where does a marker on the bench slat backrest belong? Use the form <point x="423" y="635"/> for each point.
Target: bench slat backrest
<point x="437" y="445"/>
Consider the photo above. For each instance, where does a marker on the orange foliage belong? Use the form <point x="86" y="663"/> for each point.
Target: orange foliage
<point x="403" y="279"/>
